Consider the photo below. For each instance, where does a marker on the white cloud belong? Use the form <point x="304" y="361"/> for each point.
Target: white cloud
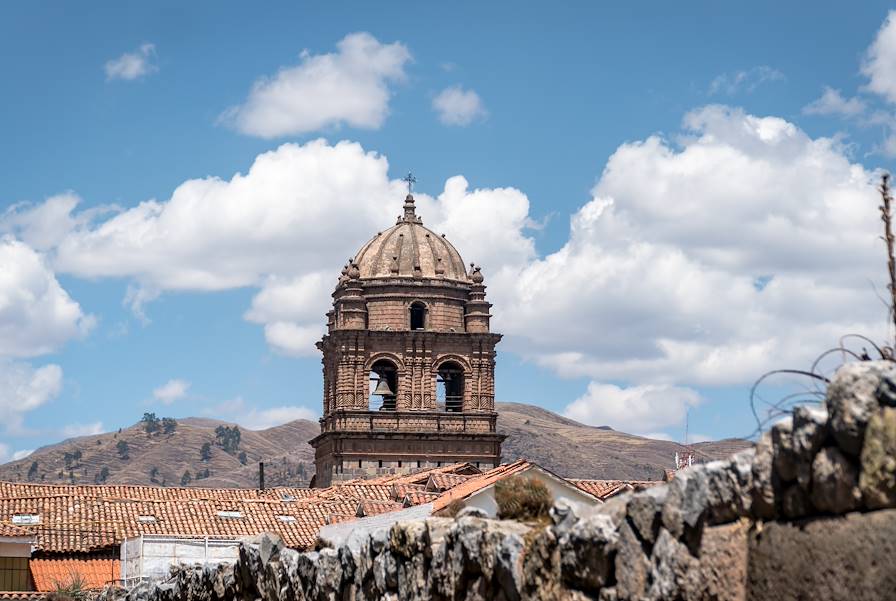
<point x="747" y="80"/>
<point x="880" y="61"/>
<point x="457" y="106"/>
<point x="260" y="419"/>
<point x="350" y="86"/>
<point x="75" y="430"/>
<point x="21" y="454"/>
<point x="657" y="283"/>
<point x="132" y="65"/>
<point x="637" y="409"/>
<point x="170" y="391"/>
<point x="24" y="388"/>
<point x="36" y="315"/>
<point x="831" y="102"/>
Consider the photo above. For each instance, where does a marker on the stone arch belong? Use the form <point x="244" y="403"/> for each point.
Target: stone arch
<point x="384" y="372"/>
<point x="399" y="364"/>
<point x="460" y="359"/>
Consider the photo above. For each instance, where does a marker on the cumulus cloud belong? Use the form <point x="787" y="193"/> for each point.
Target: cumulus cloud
<point x="831" y="102"/>
<point x="657" y="283"/>
<point x="132" y="65"/>
<point x="37" y="315"/>
<point x="457" y="106"/>
<point x="702" y="259"/>
<point x="24" y="388"/>
<point x="744" y="81"/>
<point x="260" y="419"/>
<point x="637" y="409"/>
<point x="170" y="391"/>
<point x="350" y="86"/>
<point x="879" y="65"/>
<point x="75" y="430"/>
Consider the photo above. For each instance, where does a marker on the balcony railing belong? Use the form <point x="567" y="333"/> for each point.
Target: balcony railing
<point x="408" y="421"/>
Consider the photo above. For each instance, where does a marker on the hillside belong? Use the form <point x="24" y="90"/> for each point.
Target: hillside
<point x="555" y="442"/>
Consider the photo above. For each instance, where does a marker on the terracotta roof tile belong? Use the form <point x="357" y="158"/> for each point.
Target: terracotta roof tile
<point x="22" y="596"/>
<point x="368" y="508"/>
<point x="13" y="531"/>
<point x="604" y="489"/>
<point x="50" y="574"/>
<point x="440" y="482"/>
<point x="419" y="497"/>
<point x="477" y="483"/>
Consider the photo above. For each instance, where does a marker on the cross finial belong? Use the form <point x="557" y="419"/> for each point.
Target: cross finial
<point x="411" y="180"/>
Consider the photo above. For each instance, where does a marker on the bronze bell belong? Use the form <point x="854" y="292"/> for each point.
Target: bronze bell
<point x="382" y="388"/>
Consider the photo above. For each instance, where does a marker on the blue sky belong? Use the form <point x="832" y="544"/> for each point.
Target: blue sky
<point x="716" y="194"/>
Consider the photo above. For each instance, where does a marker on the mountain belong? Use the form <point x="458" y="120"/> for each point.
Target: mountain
<point x="559" y="444"/>
<point x="575" y="450"/>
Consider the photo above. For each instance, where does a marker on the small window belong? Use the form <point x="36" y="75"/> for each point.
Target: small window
<point x="26" y="519"/>
<point x="381" y="462"/>
<point x="288" y="519"/>
<point x="230" y="515"/>
<point x="287" y="498"/>
<point x="418" y="316"/>
<point x="359" y="464"/>
<point x="419" y="463"/>
<point x="399" y="464"/>
<point x="146" y="519"/>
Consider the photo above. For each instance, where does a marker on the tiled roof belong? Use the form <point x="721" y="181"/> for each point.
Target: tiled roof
<point x="419" y="497"/>
<point x="477" y="483"/>
<point x="440" y="482"/>
<point x="604" y="489"/>
<point x="50" y="574"/>
<point x="22" y="596"/>
<point x="75" y="519"/>
<point x="368" y="508"/>
<point x="24" y="490"/>
<point x="13" y="531"/>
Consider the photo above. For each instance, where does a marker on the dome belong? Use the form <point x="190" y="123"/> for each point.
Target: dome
<point x="409" y="250"/>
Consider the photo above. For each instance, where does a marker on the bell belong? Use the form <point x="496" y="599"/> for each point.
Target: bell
<point x="382" y="388"/>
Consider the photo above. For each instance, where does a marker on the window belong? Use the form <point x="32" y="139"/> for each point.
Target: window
<point x="418" y="315"/>
<point x="359" y="464"/>
<point x="146" y="519"/>
<point x="383" y="386"/>
<point x="288" y="519"/>
<point x="450" y="387"/>
<point x="287" y="498"/>
<point x="399" y="464"/>
<point x="26" y="519"/>
<point x="380" y="463"/>
<point x="230" y="515"/>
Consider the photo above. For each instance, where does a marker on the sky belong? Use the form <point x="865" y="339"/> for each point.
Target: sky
<point x="666" y="201"/>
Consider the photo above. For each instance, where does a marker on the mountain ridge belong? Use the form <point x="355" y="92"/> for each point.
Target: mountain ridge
<point x="195" y="455"/>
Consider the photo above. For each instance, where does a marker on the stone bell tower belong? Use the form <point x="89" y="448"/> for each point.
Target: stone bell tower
<point x="408" y="360"/>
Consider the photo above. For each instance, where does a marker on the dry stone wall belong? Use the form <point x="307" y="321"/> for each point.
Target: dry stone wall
<point x="807" y="514"/>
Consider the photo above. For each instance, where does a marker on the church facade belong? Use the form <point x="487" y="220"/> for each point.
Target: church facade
<point x="408" y="360"/>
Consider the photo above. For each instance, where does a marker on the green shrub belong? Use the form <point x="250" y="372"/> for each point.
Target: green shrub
<point x="521" y="498"/>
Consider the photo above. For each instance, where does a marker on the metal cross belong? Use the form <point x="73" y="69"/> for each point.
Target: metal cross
<point x="411" y="180"/>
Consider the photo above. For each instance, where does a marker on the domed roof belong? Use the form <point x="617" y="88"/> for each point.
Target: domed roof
<point x="409" y="250"/>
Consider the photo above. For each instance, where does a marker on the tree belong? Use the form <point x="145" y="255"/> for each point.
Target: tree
<point x="150" y="423"/>
<point x="153" y="472"/>
<point x="123" y="450"/>
<point x="102" y="476"/>
<point x="203" y="474"/>
<point x="206" y="451"/>
<point x="228" y="438"/>
<point x="169" y="425"/>
<point x="32" y="471"/>
<point x="244" y="459"/>
<point x="186" y="478"/>
<point x="301" y="471"/>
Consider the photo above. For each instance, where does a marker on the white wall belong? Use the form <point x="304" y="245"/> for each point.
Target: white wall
<point x="153" y="556"/>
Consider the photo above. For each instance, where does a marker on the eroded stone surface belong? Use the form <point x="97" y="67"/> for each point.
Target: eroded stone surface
<point x="835" y="482"/>
<point x="878" y="477"/>
<point x="851" y="399"/>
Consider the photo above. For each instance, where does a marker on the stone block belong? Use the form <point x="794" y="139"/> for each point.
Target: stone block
<point x="878" y="476"/>
<point x="852" y="398"/>
<point x="825" y="559"/>
<point x="835" y="482"/>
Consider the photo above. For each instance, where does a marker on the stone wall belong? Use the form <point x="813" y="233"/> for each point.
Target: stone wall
<point x="808" y="514"/>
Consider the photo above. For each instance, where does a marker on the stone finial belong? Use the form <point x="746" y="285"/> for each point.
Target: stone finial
<point x="353" y="272"/>
<point x="476" y="274"/>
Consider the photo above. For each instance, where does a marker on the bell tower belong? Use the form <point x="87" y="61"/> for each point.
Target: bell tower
<point x="408" y="360"/>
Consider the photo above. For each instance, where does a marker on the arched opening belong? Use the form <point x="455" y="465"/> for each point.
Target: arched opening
<point x="383" y="386"/>
<point x="418" y="315"/>
<point x="450" y="387"/>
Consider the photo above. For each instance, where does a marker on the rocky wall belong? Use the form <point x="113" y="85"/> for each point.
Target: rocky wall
<point x="807" y="514"/>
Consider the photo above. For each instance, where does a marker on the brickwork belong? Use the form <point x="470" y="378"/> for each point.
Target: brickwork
<point x="370" y="330"/>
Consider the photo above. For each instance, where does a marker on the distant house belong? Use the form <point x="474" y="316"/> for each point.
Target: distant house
<point x="103" y="534"/>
